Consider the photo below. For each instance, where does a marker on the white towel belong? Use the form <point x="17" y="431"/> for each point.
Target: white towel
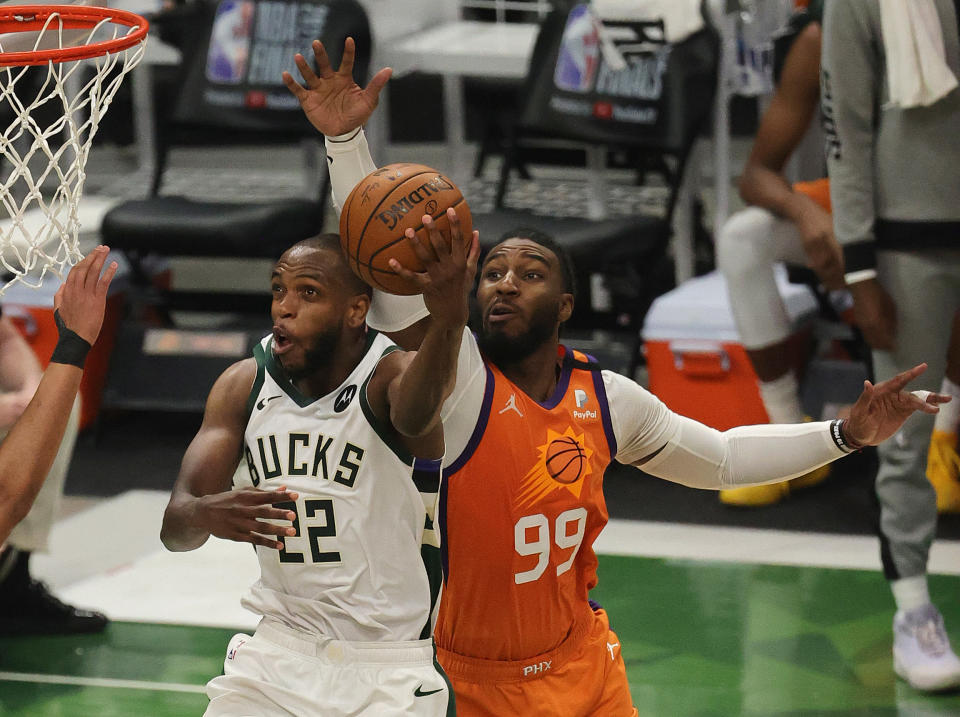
<point x="681" y="18"/>
<point x="917" y="71"/>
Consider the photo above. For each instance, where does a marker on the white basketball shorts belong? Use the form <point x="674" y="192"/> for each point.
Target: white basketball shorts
<point x="282" y="671"/>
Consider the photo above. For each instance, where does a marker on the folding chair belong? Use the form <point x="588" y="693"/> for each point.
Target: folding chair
<point x="649" y="113"/>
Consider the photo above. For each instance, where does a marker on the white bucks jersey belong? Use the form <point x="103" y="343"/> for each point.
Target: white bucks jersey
<point x="364" y="564"/>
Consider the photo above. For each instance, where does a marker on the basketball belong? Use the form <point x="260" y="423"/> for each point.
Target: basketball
<point x="381" y="208"/>
<point x="565" y="460"/>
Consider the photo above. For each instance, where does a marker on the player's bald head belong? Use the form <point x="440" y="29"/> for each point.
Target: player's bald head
<point x="323" y="251"/>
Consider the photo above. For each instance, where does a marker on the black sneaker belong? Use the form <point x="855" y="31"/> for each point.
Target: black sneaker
<point x="31" y="609"/>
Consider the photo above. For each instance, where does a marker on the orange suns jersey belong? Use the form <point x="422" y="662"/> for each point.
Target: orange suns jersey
<point x="519" y="511"/>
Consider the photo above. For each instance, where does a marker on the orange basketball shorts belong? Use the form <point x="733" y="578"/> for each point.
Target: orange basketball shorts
<point x="583" y="677"/>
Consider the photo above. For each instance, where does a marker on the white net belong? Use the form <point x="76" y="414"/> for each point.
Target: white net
<point x="51" y="112"/>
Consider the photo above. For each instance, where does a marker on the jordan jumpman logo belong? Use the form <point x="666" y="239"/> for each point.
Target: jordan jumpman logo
<point x="511" y="405"/>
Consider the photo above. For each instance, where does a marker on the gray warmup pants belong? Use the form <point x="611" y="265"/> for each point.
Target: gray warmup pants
<point x="925" y="285"/>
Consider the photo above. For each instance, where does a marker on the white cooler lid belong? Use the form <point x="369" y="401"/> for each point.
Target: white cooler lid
<point x="700" y="309"/>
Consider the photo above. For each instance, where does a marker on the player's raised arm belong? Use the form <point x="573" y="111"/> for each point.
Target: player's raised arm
<point x="202" y="502"/>
<point x="27" y="452"/>
<point x="338" y="108"/>
<point x="411" y="389"/>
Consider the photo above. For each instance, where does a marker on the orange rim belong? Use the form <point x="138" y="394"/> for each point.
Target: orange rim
<point x="28" y="18"/>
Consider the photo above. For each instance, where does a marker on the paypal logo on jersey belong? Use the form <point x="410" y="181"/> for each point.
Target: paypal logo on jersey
<point x="581" y="397"/>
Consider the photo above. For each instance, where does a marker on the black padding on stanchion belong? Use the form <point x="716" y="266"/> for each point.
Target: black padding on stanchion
<point x="178" y="226"/>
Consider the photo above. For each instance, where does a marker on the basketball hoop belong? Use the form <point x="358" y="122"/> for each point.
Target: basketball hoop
<point x="53" y="113"/>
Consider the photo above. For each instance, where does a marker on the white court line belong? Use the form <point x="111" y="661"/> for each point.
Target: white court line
<point x="758" y="546"/>
<point x="101" y="682"/>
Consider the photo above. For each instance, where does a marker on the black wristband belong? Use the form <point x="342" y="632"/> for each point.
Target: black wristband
<point x="71" y="347"/>
<point x="836" y="433"/>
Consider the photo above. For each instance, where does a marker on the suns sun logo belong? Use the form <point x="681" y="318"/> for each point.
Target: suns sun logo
<point x="563" y="462"/>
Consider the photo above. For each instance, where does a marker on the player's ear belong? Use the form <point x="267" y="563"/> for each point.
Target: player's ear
<point x="357" y="308"/>
<point x="566" y="307"/>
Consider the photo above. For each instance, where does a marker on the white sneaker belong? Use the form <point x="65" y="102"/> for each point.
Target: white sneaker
<point x="921" y="650"/>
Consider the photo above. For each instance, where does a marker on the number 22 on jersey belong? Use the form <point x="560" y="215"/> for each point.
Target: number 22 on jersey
<point x="319" y="511"/>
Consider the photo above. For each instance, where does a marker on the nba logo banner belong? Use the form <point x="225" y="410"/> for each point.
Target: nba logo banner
<point x="579" y="55"/>
<point x="230" y="42"/>
<point x="254" y="42"/>
<point x="619" y="80"/>
<point x="233" y="72"/>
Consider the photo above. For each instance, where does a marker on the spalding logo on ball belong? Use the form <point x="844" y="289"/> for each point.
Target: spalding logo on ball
<point x="382" y="207"/>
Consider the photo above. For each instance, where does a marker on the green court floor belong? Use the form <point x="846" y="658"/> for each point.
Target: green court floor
<point x="699" y="639"/>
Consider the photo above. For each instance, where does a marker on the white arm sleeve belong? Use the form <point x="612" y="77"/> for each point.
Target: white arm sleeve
<point x="702" y="457"/>
<point x="667" y="445"/>
<point x="462" y="408"/>
<point x="349" y="160"/>
<point x="389" y="312"/>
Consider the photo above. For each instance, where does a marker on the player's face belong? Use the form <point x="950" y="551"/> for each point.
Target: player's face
<point x="521" y="298"/>
<point x="308" y="309"/>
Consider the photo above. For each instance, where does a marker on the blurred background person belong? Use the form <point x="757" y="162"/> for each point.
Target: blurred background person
<point x="784" y="223"/>
<point x="891" y="111"/>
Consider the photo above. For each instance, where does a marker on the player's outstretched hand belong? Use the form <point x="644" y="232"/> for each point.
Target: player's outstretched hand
<point x="330" y="99"/>
<point x="82" y="298"/>
<point x="241" y="515"/>
<point x="882" y="409"/>
<point x="448" y="270"/>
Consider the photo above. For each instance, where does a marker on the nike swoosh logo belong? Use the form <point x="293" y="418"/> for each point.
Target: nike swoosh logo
<point x="264" y="401"/>
<point x="420" y="693"/>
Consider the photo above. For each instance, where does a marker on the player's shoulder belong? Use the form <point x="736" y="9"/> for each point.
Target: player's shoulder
<point x="227" y="401"/>
<point x="384" y="360"/>
<point x="580" y="359"/>
<point x="612" y="378"/>
<point x="801" y="67"/>
<point x="622" y="388"/>
<point x="382" y="352"/>
<point x="808" y="44"/>
<point x="379" y="344"/>
<point x="809" y="37"/>
<point x="236" y="382"/>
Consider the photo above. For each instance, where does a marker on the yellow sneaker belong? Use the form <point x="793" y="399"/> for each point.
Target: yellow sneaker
<point x="755" y="496"/>
<point x="807" y="480"/>
<point x="943" y="471"/>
